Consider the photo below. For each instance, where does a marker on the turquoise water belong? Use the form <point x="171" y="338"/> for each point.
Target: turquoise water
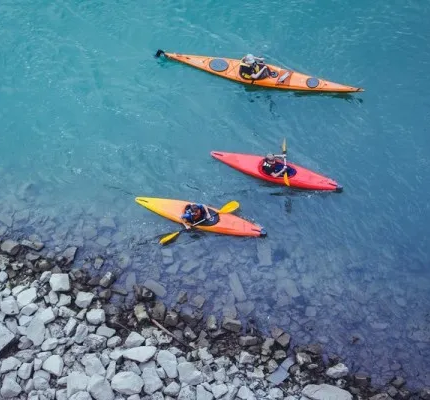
<point x="90" y="119"/>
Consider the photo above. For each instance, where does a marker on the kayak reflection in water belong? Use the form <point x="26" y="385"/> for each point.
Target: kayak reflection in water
<point x="252" y="67"/>
<point x="195" y="213"/>
<point x="276" y="169"/>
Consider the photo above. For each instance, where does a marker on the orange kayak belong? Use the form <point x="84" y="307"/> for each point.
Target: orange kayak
<point x="280" y="78"/>
<point x="226" y="224"/>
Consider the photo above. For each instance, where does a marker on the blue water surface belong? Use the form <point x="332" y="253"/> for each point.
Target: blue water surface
<point x="90" y="119"/>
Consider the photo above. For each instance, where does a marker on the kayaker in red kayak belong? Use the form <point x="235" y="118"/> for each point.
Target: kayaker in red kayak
<point x="194" y="213"/>
<point x="273" y="168"/>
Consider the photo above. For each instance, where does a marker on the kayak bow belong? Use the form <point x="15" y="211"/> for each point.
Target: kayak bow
<point x="226" y="224"/>
<point x="281" y="78"/>
<point x="253" y="165"/>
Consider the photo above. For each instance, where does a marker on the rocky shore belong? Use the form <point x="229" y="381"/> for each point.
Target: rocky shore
<point x="62" y="337"/>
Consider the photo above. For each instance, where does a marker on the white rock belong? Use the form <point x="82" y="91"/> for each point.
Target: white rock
<point x="100" y="389"/>
<point x="172" y="389"/>
<point x="96" y="316"/>
<point x="6" y="336"/>
<point x="25" y="370"/>
<point x="10" y="388"/>
<point x="64" y="300"/>
<point x="110" y="371"/>
<point x="49" y="344"/>
<point x="47" y="315"/>
<point x="133" y="340"/>
<point x="53" y="297"/>
<point x="9" y="306"/>
<point x="36" y="331"/>
<point x="202" y="394"/>
<point x="54" y="365"/>
<point x="3" y="277"/>
<point x="81" y="396"/>
<point x="84" y="299"/>
<point x="245" y="393"/>
<point x="93" y="365"/>
<point x="276" y="394"/>
<point x="30" y="309"/>
<point x="219" y="390"/>
<point x="60" y="282"/>
<point x="220" y="375"/>
<point x="18" y="289"/>
<point x="45" y="276"/>
<point x="246" y="358"/>
<point x="76" y="382"/>
<point x="26" y="297"/>
<point x="187" y="393"/>
<point x="105" y="331"/>
<point x="189" y="374"/>
<point x="141" y="354"/>
<point x="151" y="380"/>
<point x="325" y="392"/>
<point x="127" y="383"/>
<point x="113" y="342"/>
<point x="69" y="328"/>
<point x="9" y="364"/>
<point x="337" y="371"/>
<point x="168" y="362"/>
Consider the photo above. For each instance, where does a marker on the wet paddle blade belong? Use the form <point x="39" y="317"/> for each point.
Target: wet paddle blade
<point x="286" y="180"/>
<point x="229" y="207"/>
<point x="169" y="238"/>
<point x="284" y="146"/>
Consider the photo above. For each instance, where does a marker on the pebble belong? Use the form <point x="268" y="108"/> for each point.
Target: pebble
<point x="96" y="316"/>
<point x="140" y="354"/>
<point x="59" y="282"/>
<point x="127" y="383"/>
<point x="84" y="299"/>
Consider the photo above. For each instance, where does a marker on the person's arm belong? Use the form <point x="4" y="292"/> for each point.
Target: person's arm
<point x="208" y="215"/>
<point x="185" y="222"/>
<point x="257" y="75"/>
<point x="278" y="174"/>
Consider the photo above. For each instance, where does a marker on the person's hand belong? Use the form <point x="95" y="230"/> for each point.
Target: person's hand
<point x="285" y="168"/>
<point x="187" y="227"/>
<point x="208" y="216"/>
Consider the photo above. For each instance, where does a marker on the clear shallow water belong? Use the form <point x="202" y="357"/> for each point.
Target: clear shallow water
<point x="90" y="119"/>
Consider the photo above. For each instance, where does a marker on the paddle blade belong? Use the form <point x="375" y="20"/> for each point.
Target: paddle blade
<point x="284" y="146"/>
<point x="229" y="207"/>
<point x="286" y="180"/>
<point x="169" y="238"/>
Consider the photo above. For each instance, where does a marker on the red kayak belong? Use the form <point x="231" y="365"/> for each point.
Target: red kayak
<point x="299" y="177"/>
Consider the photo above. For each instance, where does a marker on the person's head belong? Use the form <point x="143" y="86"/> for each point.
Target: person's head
<point x="194" y="209"/>
<point x="249" y="59"/>
<point x="270" y="158"/>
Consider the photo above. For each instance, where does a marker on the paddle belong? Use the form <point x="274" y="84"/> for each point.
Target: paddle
<point x="284" y="152"/>
<point x="225" y="209"/>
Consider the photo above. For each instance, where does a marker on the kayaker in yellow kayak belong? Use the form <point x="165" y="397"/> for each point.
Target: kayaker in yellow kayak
<point x="272" y="168"/>
<point x="194" y="213"/>
<point x="252" y="67"/>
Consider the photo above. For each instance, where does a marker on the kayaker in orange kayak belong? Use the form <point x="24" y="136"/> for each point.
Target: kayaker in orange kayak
<point x="252" y="67"/>
<point x="273" y="168"/>
<point x="194" y="213"/>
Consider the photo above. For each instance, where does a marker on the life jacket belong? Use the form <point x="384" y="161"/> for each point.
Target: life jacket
<point x="255" y="68"/>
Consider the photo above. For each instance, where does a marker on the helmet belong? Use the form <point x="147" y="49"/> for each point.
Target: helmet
<point x="270" y="157"/>
<point x="249" y="59"/>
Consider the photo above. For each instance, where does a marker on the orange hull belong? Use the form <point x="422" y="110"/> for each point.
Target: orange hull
<point x="228" y="224"/>
<point x="290" y="80"/>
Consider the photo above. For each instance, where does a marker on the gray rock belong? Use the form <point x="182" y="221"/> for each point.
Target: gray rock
<point x="3" y="277"/>
<point x="187" y="393"/>
<point x="49" y="344"/>
<point x="47" y="315"/>
<point x="9" y="306"/>
<point x="95" y="342"/>
<point x="64" y="300"/>
<point x="140" y="313"/>
<point x="203" y="394"/>
<point x="33" y="244"/>
<point x="188" y="374"/>
<point x="425" y="393"/>
<point x="53" y="297"/>
<point x="198" y="301"/>
<point x="158" y="289"/>
<point x="105" y="331"/>
<point x="248" y="341"/>
<point x="25" y="370"/>
<point x="151" y="380"/>
<point x="69" y="254"/>
<point x="205" y="356"/>
<point x="220" y="375"/>
<point x="100" y="388"/>
<point x="159" y="311"/>
<point x="276" y="394"/>
<point x="230" y="324"/>
<point x="291" y="288"/>
<point x="182" y="297"/>
<point x="219" y="390"/>
<point x="60" y="282"/>
<point x="76" y="382"/>
<point x="325" y="392"/>
<point x="29" y="309"/>
<point x="172" y="318"/>
<point x="81" y="396"/>
<point x="127" y="383"/>
<point x="107" y="280"/>
<point x="93" y="365"/>
<point x="113" y="342"/>
<point x="236" y="287"/>
<point x="96" y="316"/>
<point x="81" y="333"/>
<point x="141" y="354"/>
<point x="26" y="297"/>
<point x="337" y="371"/>
<point x="54" y="365"/>
<point x="110" y="371"/>
<point x="10" y="387"/>
<point x="9" y="364"/>
<point x="36" y="331"/>
<point x="172" y="389"/>
<point x="190" y="266"/>
<point x="84" y="299"/>
<point x="284" y="340"/>
<point x="10" y="247"/>
<point x="211" y="323"/>
<point x="134" y="339"/>
<point x="168" y="362"/>
<point x="245" y="393"/>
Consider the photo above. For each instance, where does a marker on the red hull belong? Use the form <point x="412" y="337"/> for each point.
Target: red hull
<point x="252" y="165"/>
